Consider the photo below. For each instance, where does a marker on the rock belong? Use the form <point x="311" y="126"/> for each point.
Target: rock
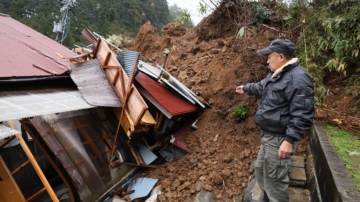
<point x="271" y="34"/>
<point x="202" y="178"/>
<point x="162" y="198"/>
<point x="297" y="176"/>
<point x="165" y="183"/>
<point x="171" y="168"/>
<point x="228" y="158"/>
<point x="225" y="173"/>
<point x="220" y="43"/>
<point x="168" y="195"/>
<point x="181" y="179"/>
<point x="183" y="55"/>
<point x="297" y="161"/>
<point x="252" y="166"/>
<point x="182" y="75"/>
<point x="198" y="185"/>
<point x="203" y="196"/>
<point x="247" y="152"/>
<point x="215" y="51"/>
<point x="176" y="184"/>
<point x="211" y="101"/>
<point x="218" y="179"/>
<point x="236" y="48"/>
<point x="208" y="187"/>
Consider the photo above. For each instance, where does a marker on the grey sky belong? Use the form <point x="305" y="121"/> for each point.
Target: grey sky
<point x="192" y="6"/>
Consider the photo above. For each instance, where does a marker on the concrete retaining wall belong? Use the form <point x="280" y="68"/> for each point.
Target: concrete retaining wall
<point x="331" y="178"/>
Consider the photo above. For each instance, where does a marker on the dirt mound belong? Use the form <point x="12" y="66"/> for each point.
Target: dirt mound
<point x="147" y="40"/>
<point x="211" y="61"/>
<point x="173" y="30"/>
<point x="223" y="22"/>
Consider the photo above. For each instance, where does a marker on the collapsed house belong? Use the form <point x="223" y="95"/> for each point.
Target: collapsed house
<point x="75" y="127"/>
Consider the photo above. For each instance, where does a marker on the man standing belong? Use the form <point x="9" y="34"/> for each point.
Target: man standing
<point x="285" y="112"/>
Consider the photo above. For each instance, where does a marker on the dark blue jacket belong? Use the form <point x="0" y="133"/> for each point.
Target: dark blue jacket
<point x="286" y="107"/>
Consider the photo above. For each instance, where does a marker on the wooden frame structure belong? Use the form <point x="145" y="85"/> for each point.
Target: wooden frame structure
<point x="34" y="163"/>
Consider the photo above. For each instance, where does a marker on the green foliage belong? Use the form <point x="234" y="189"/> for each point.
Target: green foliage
<point x="202" y="8"/>
<point x="348" y="148"/>
<point x="178" y="15"/>
<point x="260" y="14"/>
<point x="184" y="17"/>
<point x="119" y="40"/>
<point x="240" y="113"/>
<point x="105" y="17"/>
<point x="330" y="40"/>
<point x="241" y="32"/>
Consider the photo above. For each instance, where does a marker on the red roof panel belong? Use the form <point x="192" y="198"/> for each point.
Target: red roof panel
<point x="28" y="53"/>
<point x="168" y="99"/>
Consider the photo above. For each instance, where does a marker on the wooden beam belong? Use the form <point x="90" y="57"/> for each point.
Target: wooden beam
<point x="50" y="159"/>
<point x="20" y="167"/>
<point x="113" y="82"/>
<point x="128" y="91"/>
<point x="37" y="194"/>
<point x="34" y="163"/>
<point x="110" y="67"/>
<point x="37" y="168"/>
<point x="106" y="60"/>
<point x="3" y="144"/>
<point x="97" y="47"/>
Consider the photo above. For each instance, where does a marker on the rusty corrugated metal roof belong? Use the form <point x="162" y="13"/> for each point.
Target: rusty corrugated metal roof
<point x="93" y="84"/>
<point x="173" y="103"/>
<point x="27" y="53"/>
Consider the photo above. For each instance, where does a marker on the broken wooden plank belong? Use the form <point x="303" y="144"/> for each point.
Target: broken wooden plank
<point x="147" y="119"/>
<point x="45" y="70"/>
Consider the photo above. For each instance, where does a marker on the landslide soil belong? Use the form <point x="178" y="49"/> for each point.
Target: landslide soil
<point x="211" y="61"/>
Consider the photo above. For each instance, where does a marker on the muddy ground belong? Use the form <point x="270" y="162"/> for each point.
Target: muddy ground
<point x="212" y="60"/>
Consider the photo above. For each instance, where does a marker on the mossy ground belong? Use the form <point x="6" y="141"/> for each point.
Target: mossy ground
<point x="348" y="148"/>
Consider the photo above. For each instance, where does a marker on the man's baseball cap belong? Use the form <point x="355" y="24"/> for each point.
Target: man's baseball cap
<point x="283" y="46"/>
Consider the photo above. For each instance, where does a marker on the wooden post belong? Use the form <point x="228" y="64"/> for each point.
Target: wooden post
<point x="128" y="90"/>
<point x="34" y="163"/>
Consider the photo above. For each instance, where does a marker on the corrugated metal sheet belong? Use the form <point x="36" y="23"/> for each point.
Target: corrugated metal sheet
<point x="24" y="104"/>
<point x="142" y="187"/>
<point x="27" y="53"/>
<point x="146" y="154"/>
<point x="173" y="103"/>
<point x="94" y="85"/>
<point x="127" y="59"/>
<point x="172" y="82"/>
<point x="7" y="132"/>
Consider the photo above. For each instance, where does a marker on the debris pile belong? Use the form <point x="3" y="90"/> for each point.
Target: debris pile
<point x="211" y="61"/>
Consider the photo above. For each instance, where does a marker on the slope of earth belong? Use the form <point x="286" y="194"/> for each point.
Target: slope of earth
<point x="212" y="61"/>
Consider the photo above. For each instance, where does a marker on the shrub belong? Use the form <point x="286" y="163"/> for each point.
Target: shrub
<point x="240" y="113"/>
<point x="260" y="14"/>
